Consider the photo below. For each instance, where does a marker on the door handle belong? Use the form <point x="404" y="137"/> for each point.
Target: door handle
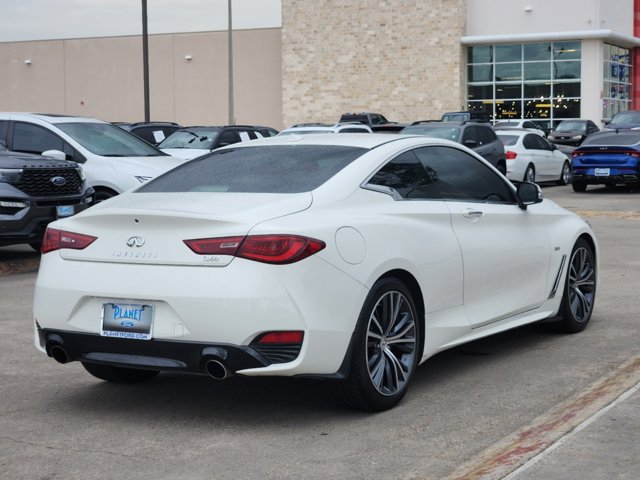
<point x="472" y="213"/>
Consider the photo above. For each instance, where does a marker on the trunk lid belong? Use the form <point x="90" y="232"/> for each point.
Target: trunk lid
<point x="149" y="228"/>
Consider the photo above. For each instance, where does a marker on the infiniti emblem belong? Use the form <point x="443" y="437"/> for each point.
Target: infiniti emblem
<point x="135" y="242"/>
<point x="58" y="181"/>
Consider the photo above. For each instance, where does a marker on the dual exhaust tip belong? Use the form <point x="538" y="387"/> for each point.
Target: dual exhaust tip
<point x="212" y="367"/>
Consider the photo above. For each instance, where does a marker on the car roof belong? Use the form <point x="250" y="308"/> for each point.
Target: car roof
<point x="359" y="140"/>
<point x="514" y="131"/>
<point x="52" y="118"/>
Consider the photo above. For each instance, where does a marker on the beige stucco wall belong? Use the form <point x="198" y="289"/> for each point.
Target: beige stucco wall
<point x="102" y="77"/>
<point x="518" y="17"/>
<point x="402" y="59"/>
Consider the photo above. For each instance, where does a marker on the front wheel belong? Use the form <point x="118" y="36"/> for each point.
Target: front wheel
<point x="565" y="175"/>
<point x="386" y="349"/>
<point x="529" y="174"/>
<point x="579" y="289"/>
<point x="119" y="374"/>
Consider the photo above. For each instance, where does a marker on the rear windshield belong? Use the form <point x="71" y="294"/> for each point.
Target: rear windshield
<point x="613" y="139"/>
<point x="263" y="169"/>
<point x="625" y="117"/>
<point x="508" y="140"/>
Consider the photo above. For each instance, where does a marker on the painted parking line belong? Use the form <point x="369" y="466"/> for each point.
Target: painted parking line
<point x="543" y="433"/>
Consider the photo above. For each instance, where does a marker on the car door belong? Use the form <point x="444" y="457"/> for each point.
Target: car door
<point x="547" y="164"/>
<point x="425" y="237"/>
<point x="505" y="249"/>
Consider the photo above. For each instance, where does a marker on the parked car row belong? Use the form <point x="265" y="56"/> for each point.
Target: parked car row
<point x="113" y="159"/>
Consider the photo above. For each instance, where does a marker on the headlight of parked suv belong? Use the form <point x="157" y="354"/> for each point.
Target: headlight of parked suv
<point x="80" y="170"/>
<point x="10" y="175"/>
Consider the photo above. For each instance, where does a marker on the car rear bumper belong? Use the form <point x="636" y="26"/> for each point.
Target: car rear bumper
<point x="605" y="180"/>
<point x="191" y="357"/>
<point x="226" y="307"/>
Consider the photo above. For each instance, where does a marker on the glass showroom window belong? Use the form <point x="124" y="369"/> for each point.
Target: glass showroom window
<point x="536" y="81"/>
<point x="616" y="87"/>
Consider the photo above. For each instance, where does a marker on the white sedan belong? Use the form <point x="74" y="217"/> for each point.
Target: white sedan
<point x="347" y="257"/>
<point x="531" y="158"/>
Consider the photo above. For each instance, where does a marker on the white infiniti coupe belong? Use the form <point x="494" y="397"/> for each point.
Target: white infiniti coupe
<point x="348" y="257"/>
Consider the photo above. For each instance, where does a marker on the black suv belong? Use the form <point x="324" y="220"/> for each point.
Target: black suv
<point x="479" y="137"/>
<point x="151" y="132"/>
<point x="367" y="118"/>
<point x="34" y="191"/>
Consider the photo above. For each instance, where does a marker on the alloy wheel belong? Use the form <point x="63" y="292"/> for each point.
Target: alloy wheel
<point x="391" y="343"/>
<point x="581" y="284"/>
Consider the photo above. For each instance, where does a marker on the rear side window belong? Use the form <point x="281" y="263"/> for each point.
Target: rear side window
<point x="486" y="135"/>
<point x="265" y="169"/>
<point x="407" y="176"/>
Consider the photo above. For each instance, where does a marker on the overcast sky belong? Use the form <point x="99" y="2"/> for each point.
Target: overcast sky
<point x="55" y="19"/>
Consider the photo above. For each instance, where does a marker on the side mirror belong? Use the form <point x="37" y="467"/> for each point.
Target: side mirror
<point x="528" y="194"/>
<point x="57" y="154"/>
<point x="553" y="146"/>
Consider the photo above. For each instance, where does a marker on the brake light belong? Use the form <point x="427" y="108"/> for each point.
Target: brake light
<point x="273" y="249"/>
<point x="215" y="246"/>
<point x="510" y="155"/>
<point x="55" y="239"/>
<point x="293" y="337"/>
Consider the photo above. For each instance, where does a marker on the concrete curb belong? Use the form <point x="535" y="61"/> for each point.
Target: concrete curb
<point x="503" y="458"/>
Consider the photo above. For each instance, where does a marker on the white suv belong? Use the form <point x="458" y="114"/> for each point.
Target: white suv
<point x="113" y="160"/>
<point x="311" y="128"/>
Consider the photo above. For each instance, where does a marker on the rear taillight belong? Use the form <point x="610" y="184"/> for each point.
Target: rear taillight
<point x="56" y="239"/>
<point x="274" y="249"/>
<point x="510" y="155"/>
<point x="215" y="246"/>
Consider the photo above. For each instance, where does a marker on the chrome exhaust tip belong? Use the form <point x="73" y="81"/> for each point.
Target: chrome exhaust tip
<point x="216" y="370"/>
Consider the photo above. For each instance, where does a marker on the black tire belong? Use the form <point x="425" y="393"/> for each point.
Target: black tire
<point x="103" y="194"/>
<point x="386" y="350"/>
<point x="565" y="174"/>
<point x="529" y="174"/>
<point x="578" y="186"/>
<point x="579" y="291"/>
<point x="119" y="374"/>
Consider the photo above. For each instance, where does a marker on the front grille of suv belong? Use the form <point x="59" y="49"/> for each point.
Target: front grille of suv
<point x="36" y="182"/>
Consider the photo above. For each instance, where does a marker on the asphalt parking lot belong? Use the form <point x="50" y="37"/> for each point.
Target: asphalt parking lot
<point x="526" y="404"/>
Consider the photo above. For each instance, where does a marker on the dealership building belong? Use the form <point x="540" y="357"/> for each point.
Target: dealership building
<point x="534" y="59"/>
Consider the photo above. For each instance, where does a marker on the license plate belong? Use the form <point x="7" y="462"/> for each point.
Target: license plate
<point x="65" y="211"/>
<point x="127" y="320"/>
<point x="602" y="172"/>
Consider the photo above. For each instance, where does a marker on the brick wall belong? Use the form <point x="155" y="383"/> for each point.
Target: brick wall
<point x="400" y="58"/>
